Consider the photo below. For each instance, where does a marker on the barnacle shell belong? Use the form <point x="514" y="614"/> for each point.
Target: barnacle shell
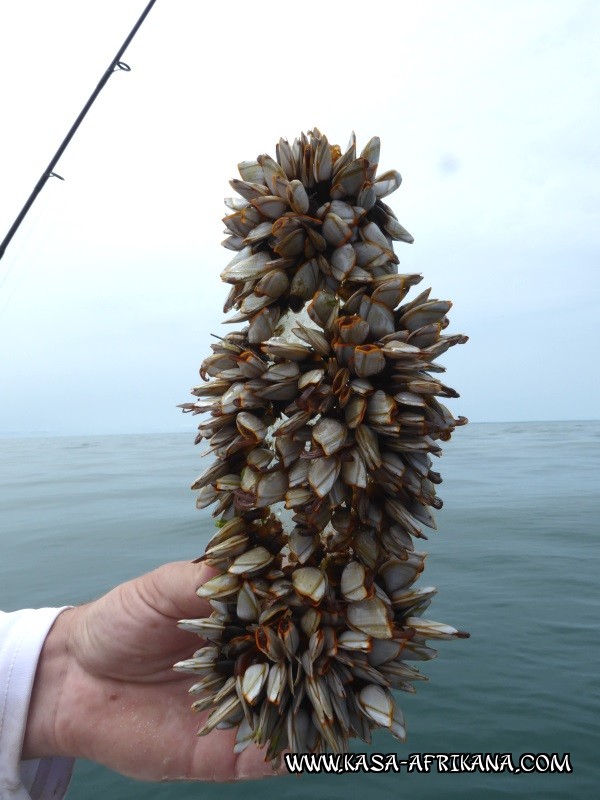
<point x="323" y="401"/>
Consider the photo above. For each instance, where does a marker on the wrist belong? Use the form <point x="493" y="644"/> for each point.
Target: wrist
<point x="43" y="737"/>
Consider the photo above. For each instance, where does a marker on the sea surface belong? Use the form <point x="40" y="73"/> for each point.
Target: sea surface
<point x="516" y="559"/>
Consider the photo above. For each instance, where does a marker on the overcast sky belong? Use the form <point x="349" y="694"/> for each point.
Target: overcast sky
<point x="110" y="290"/>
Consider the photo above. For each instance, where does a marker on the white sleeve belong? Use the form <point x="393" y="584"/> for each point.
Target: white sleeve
<point x="22" y="635"/>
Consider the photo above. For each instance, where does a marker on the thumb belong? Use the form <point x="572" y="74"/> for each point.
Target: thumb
<point x="171" y="589"/>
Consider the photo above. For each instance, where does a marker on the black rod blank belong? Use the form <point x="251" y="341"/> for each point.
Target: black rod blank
<point x="115" y="65"/>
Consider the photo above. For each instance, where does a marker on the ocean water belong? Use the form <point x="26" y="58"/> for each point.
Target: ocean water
<point x="516" y="559"/>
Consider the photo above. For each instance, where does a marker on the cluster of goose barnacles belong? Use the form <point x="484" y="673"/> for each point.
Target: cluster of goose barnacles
<point x="326" y="402"/>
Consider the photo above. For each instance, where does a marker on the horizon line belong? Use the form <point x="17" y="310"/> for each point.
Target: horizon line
<point x="64" y="434"/>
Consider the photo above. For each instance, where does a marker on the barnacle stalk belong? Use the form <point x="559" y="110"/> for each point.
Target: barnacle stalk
<point x="325" y="401"/>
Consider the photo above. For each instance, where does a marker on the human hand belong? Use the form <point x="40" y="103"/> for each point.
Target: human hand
<point x="105" y="688"/>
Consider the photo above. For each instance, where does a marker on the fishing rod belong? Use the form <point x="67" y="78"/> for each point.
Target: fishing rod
<point x="115" y="65"/>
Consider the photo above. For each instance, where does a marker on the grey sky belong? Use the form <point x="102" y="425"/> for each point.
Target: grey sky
<point x="489" y="110"/>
